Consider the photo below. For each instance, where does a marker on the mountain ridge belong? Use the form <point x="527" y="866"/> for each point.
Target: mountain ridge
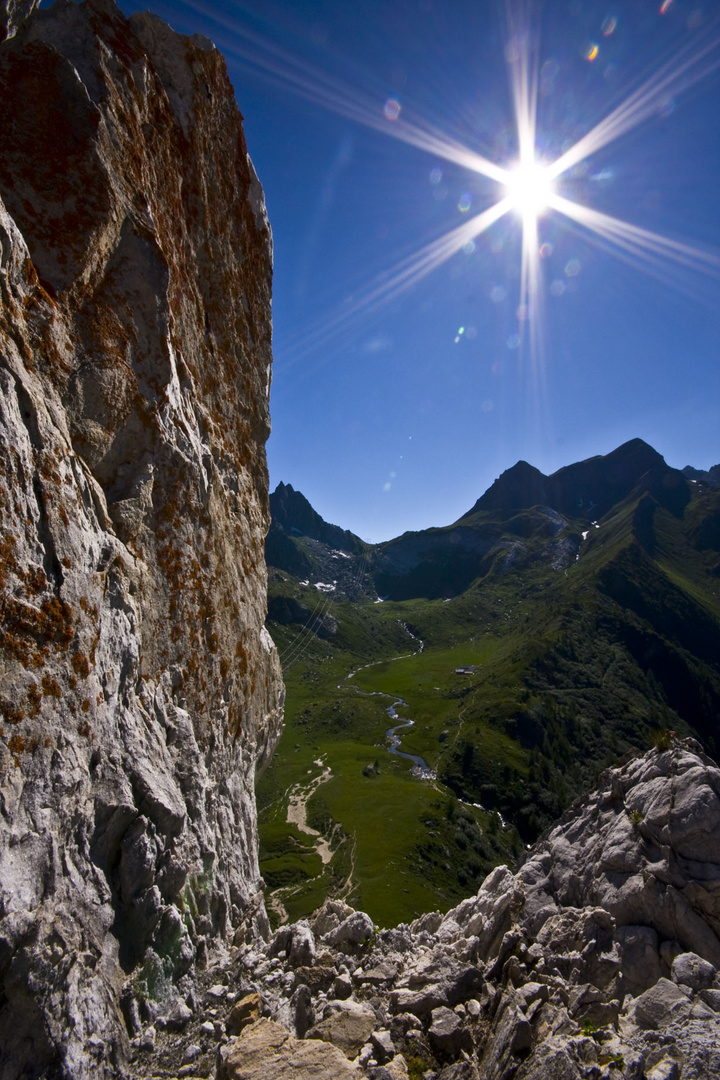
<point x="576" y="490"/>
<point x="521" y="503"/>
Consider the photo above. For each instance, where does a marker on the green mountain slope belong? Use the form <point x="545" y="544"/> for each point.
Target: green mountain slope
<point x="561" y="622"/>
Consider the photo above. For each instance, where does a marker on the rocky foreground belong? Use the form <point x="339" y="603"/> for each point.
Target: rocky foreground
<point x="597" y="958"/>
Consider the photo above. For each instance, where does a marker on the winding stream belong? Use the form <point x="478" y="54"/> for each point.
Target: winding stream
<point x="300" y="793"/>
<point x="420" y="767"/>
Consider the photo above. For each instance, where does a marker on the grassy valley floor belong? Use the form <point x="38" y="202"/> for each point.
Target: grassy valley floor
<point x="401" y="843"/>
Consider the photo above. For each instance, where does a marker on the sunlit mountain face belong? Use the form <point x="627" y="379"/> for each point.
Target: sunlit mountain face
<point x="497" y="235"/>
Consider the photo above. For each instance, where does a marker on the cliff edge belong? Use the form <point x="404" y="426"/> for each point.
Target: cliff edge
<point x="139" y="691"/>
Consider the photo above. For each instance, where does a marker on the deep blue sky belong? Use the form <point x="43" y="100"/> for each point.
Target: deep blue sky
<point x="387" y="417"/>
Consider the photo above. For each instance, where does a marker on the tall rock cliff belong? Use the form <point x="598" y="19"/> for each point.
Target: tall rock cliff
<point x="139" y="690"/>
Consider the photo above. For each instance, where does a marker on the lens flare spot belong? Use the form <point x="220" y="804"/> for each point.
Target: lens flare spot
<point x="572" y="268"/>
<point x="665" y="6"/>
<point x="469" y="247"/>
<point x="609" y="26"/>
<point x="557" y="288"/>
<point x="545" y="251"/>
<point x="513" y="342"/>
<point x="435" y="176"/>
<point x="591" y="51"/>
<point x="529" y="189"/>
<point x="548" y="75"/>
<point x="392" y="109"/>
<point x="498" y="294"/>
<point x="464" y="202"/>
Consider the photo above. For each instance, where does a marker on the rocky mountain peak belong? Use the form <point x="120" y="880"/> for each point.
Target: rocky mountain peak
<point x="517" y="488"/>
<point x="292" y="513"/>
<point x="588" y="488"/>
<point x="707" y="476"/>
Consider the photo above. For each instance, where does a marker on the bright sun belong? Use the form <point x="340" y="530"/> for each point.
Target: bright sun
<point x="529" y="189"/>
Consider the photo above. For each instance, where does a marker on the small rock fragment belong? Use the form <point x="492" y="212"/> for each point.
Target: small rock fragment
<point x="691" y="970"/>
<point x="244" y="1012"/>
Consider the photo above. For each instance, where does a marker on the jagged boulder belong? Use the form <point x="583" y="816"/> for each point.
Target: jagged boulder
<point x="357" y="929"/>
<point x="689" y="969"/>
<point x="266" y="1051"/>
<point x="347" y="1024"/>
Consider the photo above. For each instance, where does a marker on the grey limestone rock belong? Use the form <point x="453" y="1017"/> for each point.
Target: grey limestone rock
<point x="342" y="986"/>
<point x="694" y="1045"/>
<point x="691" y="970"/>
<point x="356" y="929"/>
<point x="641" y="962"/>
<point x="140" y="690"/>
<point x="383" y="1045"/>
<point x="535" y="977"/>
<point x="663" y="811"/>
<point x="661" y="1005"/>
<point x="302" y="948"/>
<point x="329" y="916"/>
<point x="347" y="1025"/>
<point x="511" y="1038"/>
<point x="303" y="1011"/>
<point x="445" y="1032"/>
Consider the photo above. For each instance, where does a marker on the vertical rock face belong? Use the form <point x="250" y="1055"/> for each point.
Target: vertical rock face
<point x="139" y="691"/>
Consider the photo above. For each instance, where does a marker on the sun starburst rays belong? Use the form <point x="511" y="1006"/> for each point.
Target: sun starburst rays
<point x="530" y="185"/>
<point x="530" y="188"/>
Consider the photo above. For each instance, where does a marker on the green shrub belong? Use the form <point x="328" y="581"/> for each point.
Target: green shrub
<point x="662" y="739"/>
